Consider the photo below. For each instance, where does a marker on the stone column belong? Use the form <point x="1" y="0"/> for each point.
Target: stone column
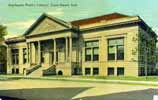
<point x="54" y="51"/>
<point x="70" y="49"/>
<point x="9" y="60"/>
<point x="66" y="49"/>
<point x="30" y="54"/>
<point x="39" y="52"/>
<point x="27" y="53"/>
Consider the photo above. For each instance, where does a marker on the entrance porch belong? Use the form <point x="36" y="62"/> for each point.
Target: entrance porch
<point x="54" y="55"/>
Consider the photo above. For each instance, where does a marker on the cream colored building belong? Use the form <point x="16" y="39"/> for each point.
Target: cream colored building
<point x="113" y="44"/>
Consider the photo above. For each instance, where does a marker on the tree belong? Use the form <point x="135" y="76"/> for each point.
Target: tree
<point x="3" y="32"/>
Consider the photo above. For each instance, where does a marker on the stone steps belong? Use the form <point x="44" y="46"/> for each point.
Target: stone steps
<point x="37" y="73"/>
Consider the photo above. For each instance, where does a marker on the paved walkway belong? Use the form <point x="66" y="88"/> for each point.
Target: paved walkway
<point x="85" y="80"/>
<point x="73" y="90"/>
<point x="99" y="80"/>
<point x="113" y="81"/>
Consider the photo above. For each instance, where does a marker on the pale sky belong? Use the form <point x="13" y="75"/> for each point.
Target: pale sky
<point x="18" y="19"/>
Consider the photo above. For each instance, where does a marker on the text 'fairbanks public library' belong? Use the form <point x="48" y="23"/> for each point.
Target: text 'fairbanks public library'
<point x="113" y="44"/>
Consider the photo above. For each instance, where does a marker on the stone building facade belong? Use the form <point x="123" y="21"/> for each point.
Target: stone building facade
<point x="113" y="44"/>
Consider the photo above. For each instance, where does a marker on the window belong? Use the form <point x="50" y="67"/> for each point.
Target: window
<point x="88" y="54"/>
<point x="110" y="71"/>
<point x="57" y="57"/>
<point x="17" y="70"/>
<point x="95" y="71"/>
<point x="28" y="54"/>
<point x="111" y="53"/>
<point x="89" y="44"/>
<point x="42" y="57"/>
<point x="120" y="52"/>
<point x="87" y="71"/>
<point x="15" y="56"/>
<point x="116" y="49"/>
<point x="95" y="54"/>
<point x="42" y="52"/>
<point x="13" y="71"/>
<point x="52" y="53"/>
<point x="24" y="56"/>
<point x="92" y="50"/>
<point x="74" y="43"/>
<point x="120" y="71"/>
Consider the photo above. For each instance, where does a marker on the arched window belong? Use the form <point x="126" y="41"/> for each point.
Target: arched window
<point x="60" y="72"/>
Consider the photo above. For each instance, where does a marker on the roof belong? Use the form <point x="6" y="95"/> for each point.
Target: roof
<point x="72" y="24"/>
<point x="66" y="24"/>
<point x="15" y="39"/>
<point x="98" y="19"/>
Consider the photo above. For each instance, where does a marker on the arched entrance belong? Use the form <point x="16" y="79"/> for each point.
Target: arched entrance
<point x="60" y="72"/>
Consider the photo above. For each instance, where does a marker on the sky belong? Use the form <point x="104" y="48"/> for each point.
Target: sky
<point x="18" y="18"/>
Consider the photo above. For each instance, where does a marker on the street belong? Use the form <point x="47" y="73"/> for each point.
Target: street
<point x="27" y="89"/>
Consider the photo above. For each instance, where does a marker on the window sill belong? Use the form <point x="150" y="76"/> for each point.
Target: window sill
<point x="15" y="64"/>
<point x="95" y="61"/>
<point x="120" y="75"/>
<point x="115" y="60"/>
<point x="96" y="75"/>
<point x="91" y="61"/>
<point x="88" y="75"/>
<point x="110" y="75"/>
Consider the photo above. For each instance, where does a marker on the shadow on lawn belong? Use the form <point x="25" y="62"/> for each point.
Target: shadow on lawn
<point x="146" y="94"/>
<point x="41" y="93"/>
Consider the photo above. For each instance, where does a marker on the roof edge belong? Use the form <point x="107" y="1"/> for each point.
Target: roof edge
<point x="66" y="24"/>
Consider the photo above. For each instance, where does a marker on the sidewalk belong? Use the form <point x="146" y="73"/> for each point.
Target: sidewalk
<point x="79" y="79"/>
<point x="105" y="81"/>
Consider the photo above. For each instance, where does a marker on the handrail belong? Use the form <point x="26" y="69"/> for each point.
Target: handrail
<point x="50" y="71"/>
<point x="30" y="70"/>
